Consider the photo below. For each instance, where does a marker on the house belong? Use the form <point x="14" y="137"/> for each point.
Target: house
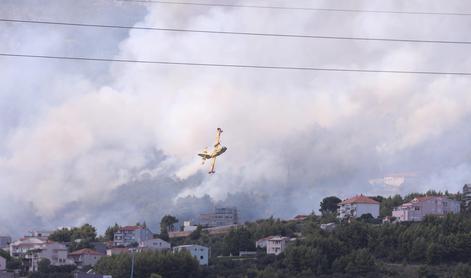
<point x="155" y="244"/>
<point x="4" y="241"/>
<point x="33" y="250"/>
<point x="189" y="227"/>
<point x="21" y="247"/>
<point x="276" y="244"/>
<point x="130" y="235"/>
<point x="262" y="243"/>
<point x="300" y="217"/>
<point x="419" y="207"/>
<point x="357" y="206"/>
<point x="3" y="263"/>
<point x="467" y="195"/>
<point x="43" y="234"/>
<point x="85" y="257"/>
<point x="197" y="251"/>
<point x="224" y="216"/>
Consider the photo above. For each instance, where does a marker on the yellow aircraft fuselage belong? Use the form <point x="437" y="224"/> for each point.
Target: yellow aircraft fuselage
<point x="217" y="151"/>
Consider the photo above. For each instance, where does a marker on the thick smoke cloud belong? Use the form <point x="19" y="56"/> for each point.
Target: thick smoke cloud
<point x="108" y="142"/>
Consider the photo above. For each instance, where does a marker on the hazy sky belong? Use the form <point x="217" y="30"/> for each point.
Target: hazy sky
<point x="109" y="142"/>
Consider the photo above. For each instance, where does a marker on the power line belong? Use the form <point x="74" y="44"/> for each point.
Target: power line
<point x="298" y="8"/>
<point x="231" y="32"/>
<point x="242" y="66"/>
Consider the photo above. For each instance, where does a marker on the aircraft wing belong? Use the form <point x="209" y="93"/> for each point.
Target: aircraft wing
<point x="213" y="165"/>
<point x="205" y="155"/>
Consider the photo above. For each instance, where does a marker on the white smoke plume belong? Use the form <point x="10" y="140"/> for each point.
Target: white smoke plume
<point x="108" y="142"/>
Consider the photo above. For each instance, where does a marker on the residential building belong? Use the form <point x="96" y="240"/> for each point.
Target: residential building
<point x="357" y="206"/>
<point x="419" y="207"/>
<point x="199" y="252"/>
<point x="3" y="263"/>
<point x="467" y="195"/>
<point x="23" y="246"/>
<point x="155" y="244"/>
<point x="130" y="235"/>
<point x="220" y="217"/>
<point x="189" y="227"/>
<point x="262" y="243"/>
<point x="4" y="241"/>
<point x="43" y="234"/>
<point x="85" y="257"/>
<point x="276" y="244"/>
<point x="34" y="249"/>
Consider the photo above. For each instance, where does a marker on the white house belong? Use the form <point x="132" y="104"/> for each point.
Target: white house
<point x="24" y="245"/>
<point x="35" y="249"/>
<point x="3" y="263"/>
<point x="357" y="206"/>
<point x="189" y="227"/>
<point x="419" y="207"/>
<point x="262" y="243"/>
<point x="155" y="244"/>
<point x="85" y="257"/>
<point x="128" y="235"/>
<point x="197" y="251"/>
<point x="276" y="244"/>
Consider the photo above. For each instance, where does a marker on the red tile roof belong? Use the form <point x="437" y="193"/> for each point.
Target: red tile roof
<point x="85" y="251"/>
<point x="300" y="217"/>
<point x="359" y="199"/>
<point x="425" y="198"/>
<point x="130" y="228"/>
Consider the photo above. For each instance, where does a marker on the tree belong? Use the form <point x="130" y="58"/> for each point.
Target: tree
<point x="166" y="264"/>
<point x="462" y="271"/>
<point x="166" y="225"/>
<point x="196" y="234"/>
<point x="435" y="253"/>
<point x="43" y="265"/>
<point x="61" y="235"/>
<point x="110" y="231"/>
<point x="329" y="204"/>
<point x="239" y="239"/>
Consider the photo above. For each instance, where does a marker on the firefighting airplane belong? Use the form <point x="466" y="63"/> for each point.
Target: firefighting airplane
<point x="217" y="151"/>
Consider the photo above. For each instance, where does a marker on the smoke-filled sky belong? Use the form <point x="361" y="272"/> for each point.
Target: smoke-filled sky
<point x="110" y="142"/>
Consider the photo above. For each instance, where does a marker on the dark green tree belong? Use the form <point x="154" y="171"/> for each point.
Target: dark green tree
<point x="110" y="231"/>
<point x="329" y="204"/>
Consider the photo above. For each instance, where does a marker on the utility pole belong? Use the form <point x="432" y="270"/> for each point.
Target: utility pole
<point x="132" y="263"/>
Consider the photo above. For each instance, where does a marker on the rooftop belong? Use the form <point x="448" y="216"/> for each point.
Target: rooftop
<point x="359" y="199"/>
<point x="85" y="251"/>
<point x="131" y="228"/>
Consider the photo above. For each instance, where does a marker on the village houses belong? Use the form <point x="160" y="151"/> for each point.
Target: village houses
<point x="155" y="244"/>
<point x="419" y="207"/>
<point x="130" y="235"/>
<point x="34" y="249"/>
<point x="357" y="206"/>
<point x="85" y="257"/>
<point x="277" y="244"/>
